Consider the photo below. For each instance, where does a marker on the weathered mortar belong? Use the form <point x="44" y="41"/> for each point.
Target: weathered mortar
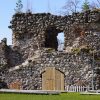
<point x="29" y="40"/>
<point x="29" y="30"/>
<point x="3" y="54"/>
<point x="75" y="67"/>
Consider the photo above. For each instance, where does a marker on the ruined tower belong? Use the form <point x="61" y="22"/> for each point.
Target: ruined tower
<point x="36" y="62"/>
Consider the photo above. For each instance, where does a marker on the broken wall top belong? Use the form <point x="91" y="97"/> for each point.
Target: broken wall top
<point x="30" y="29"/>
<point x="25" y="21"/>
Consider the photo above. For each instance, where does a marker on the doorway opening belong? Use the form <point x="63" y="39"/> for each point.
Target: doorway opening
<point x="60" y="38"/>
<point x="52" y="79"/>
<point x="53" y="38"/>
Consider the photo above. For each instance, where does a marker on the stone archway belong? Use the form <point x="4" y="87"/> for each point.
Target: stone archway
<point x="52" y="79"/>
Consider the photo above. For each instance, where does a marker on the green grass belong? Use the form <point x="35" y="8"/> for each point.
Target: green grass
<point x="63" y="96"/>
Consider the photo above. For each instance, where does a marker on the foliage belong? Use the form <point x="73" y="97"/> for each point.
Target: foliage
<point x="84" y="49"/>
<point x="63" y="96"/>
<point x="76" y="50"/>
<point x="85" y="6"/>
<point x="49" y="50"/>
<point x="19" y="6"/>
<point x="71" y="6"/>
<point x="95" y="5"/>
<point x="74" y="6"/>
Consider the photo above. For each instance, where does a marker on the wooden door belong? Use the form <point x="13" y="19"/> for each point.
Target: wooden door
<point x="52" y="79"/>
<point x="48" y="79"/>
<point x="59" y="80"/>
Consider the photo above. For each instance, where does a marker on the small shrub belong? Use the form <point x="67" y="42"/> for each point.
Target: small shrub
<point x="49" y="50"/>
<point x="76" y="50"/>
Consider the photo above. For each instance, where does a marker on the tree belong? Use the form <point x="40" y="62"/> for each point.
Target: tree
<point x="85" y="6"/>
<point x="19" y="6"/>
<point x="71" y="6"/>
<point x="95" y="5"/>
<point x="98" y="2"/>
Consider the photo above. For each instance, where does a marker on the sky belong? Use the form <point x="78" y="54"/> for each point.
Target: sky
<point x="38" y="6"/>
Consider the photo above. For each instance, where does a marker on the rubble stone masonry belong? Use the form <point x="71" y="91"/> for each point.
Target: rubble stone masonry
<point x="35" y="47"/>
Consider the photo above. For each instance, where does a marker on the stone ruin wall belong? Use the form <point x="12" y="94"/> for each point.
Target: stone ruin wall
<point x="29" y="54"/>
<point x="30" y="30"/>
<point x="77" y="69"/>
<point x="3" y="56"/>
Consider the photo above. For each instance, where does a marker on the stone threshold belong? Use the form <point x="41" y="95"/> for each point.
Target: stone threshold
<point x="30" y="91"/>
<point x="90" y="93"/>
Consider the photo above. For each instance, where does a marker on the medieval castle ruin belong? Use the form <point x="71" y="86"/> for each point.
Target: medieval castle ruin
<point x="33" y="62"/>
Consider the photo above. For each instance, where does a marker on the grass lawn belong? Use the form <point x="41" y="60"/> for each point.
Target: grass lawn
<point x="63" y="96"/>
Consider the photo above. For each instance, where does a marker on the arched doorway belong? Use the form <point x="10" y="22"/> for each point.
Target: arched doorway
<point x="52" y="79"/>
